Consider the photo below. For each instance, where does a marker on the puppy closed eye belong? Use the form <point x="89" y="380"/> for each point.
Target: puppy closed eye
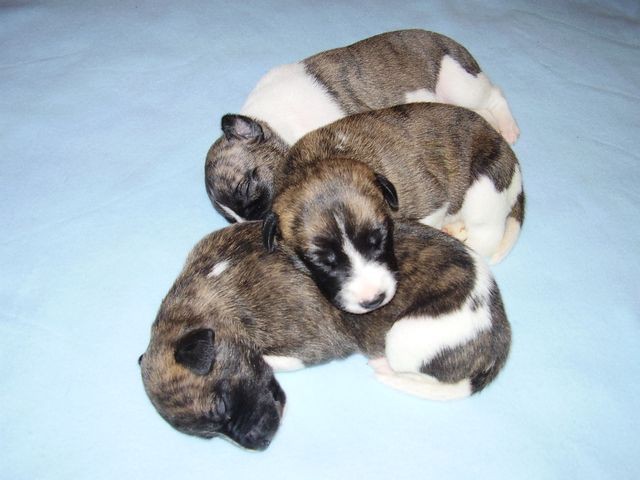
<point x="375" y="241"/>
<point x="325" y="257"/>
<point x="220" y="412"/>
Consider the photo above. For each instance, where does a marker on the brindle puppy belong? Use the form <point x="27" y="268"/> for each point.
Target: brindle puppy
<point x="292" y="100"/>
<point x="450" y="170"/>
<point x="235" y="313"/>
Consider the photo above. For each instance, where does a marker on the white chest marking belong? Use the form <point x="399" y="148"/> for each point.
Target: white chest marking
<point x="283" y="364"/>
<point x="218" y="268"/>
<point x="414" y="341"/>
<point x="231" y="213"/>
<point x="292" y="102"/>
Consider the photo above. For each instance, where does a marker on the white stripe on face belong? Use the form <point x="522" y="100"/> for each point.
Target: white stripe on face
<point x="367" y="281"/>
<point x="231" y="213"/>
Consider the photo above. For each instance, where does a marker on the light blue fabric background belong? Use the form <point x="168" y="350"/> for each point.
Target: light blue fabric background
<point x="107" y="111"/>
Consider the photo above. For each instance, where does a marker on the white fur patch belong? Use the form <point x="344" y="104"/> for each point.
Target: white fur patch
<point x="231" y="213"/>
<point x="458" y="87"/>
<point x="436" y="218"/>
<point x="415" y="341"/>
<point x="511" y="234"/>
<point x="419" y="384"/>
<point x="283" y="364"/>
<point x="342" y="141"/>
<point x="218" y="268"/>
<point x="485" y="210"/>
<point x="425" y="386"/>
<point x="420" y="95"/>
<point x="292" y="102"/>
<point x="368" y="280"/>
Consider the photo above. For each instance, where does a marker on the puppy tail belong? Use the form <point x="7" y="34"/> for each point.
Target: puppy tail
<point x="511" y="231"/>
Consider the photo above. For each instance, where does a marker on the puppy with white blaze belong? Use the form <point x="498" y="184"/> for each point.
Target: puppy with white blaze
<point x="335" y="224"/>
<point x="291" y="100"/>
<point x="237" y="313"/>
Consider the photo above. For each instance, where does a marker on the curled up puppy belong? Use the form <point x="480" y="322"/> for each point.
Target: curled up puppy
<point x="291" y="100"/>
<point x="237" y="313"/>
<point x="341" y="187"/>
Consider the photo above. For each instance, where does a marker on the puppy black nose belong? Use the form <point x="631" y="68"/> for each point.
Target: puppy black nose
<point x="373" y="303"/>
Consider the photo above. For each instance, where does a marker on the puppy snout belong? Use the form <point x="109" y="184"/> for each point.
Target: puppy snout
<point x="374" y="303"/>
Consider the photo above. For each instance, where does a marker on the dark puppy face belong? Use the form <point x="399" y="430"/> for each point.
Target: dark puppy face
<point x="337" y="221"/>
<point x="208" y="386"/>
<point x="239" y="168"/>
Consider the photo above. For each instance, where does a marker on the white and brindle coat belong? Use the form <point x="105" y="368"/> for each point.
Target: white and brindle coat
<point x="341" y="186"/>
<point x="291" y="100"/>
<point x="236" y="313"/>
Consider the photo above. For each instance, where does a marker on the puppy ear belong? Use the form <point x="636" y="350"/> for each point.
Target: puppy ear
<point x="195" y="351"/>
<point x="388" y="191"/>
<point x="140" y="359"/>
<point x="239" y="127"/>
<point x="269" y="230"/>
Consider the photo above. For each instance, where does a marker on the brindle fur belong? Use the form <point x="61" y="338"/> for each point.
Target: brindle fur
<point x="430" y="152"/>
<point x="374" y="73"/>
<point x="378" y="71"/>
<point x="263" y="305"/>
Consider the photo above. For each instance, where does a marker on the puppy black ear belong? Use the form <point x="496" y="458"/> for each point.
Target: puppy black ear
<point x="388" y="191"/>
<point x="269" y="230"/>
<point x="195" y="351"/>
<point x="239" y="127"/>
<point x="140" y="359"/>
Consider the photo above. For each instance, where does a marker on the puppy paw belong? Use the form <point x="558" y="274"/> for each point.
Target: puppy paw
<point x="381" y="366"/>
<point x="457" y="230"/>
<point x="509" y="130"/>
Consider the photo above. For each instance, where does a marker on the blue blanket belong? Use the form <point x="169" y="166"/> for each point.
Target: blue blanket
<point x="108" y="109"/>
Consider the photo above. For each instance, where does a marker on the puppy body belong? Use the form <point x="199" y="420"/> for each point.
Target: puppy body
<point x="236" y="311"/>
<point x="449" y="168"/>
<point x="294" y="99"/>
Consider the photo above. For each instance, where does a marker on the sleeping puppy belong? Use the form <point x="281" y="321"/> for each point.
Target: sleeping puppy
<point x="438" y="164"/>
<point x="236" y="313"/>
<point x="292" y="100"/>
<point x="334" y="220"/>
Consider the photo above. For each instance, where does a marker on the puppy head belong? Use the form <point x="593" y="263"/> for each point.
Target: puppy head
<point x="239" y="168"/>
<point x="336" y="220"/>
<point x="211" y="385"/>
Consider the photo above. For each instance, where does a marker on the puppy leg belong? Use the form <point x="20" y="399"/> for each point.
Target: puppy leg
<point x="484" y="213"/>
<point x="457" y="230"/>
<point x="419" y="384"/>
<point x="283" y="364"/>
<point x="455" y="85"/>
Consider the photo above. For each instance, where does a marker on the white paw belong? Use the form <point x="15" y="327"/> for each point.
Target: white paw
<point x="457" y="230"/>
<point x="509" y="130"/>
<point x="381" y="366"/>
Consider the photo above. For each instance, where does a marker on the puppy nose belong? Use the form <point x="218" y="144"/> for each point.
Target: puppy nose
<point x="373" y="303"/>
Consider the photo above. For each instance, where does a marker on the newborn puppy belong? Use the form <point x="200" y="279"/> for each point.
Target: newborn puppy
<point x="235" y="313"/>
<point x="438" y="164"/>
<point x="334" y="219"/>
<point x="292" y="100"/>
